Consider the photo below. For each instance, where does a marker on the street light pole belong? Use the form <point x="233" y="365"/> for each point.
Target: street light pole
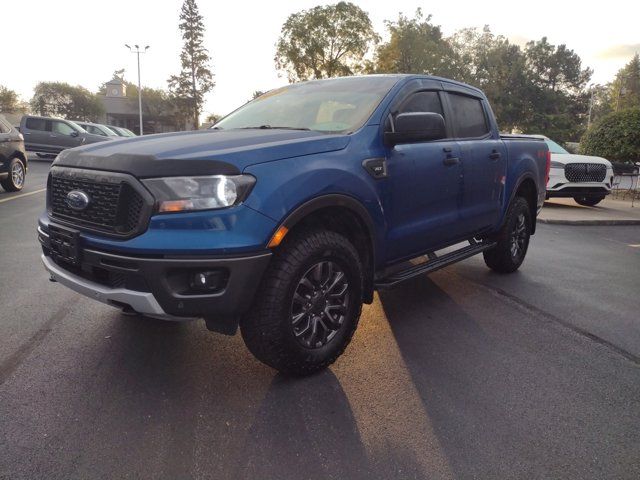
<point x="137" y="51"/>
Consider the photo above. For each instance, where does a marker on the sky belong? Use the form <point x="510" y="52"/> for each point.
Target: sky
<point x="82" y="42"/>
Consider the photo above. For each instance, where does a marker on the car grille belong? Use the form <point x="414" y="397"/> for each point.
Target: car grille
<point x="114" y="207"/>
<point x="585" y="172"/>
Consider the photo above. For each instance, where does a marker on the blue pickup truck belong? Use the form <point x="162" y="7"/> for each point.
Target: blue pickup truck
<point x="287" y="215"/>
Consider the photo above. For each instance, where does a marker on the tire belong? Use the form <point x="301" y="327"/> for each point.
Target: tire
<point x="17" y="173"/>
<point x="290" y="329"/>
<point x="589" y="201"/>
<point x="513" y="239"/>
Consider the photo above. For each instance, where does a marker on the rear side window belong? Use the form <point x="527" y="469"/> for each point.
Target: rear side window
<point x="4" y="127"/>
<point x="36" y="124"/>
<point x="428" y="102"/>
<point x="468" y="116"/>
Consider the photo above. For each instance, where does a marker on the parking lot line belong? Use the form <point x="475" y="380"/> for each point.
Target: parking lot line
<point x="22" y="195"/>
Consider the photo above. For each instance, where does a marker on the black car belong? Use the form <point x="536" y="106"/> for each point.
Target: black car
<point x="13" y="158"/>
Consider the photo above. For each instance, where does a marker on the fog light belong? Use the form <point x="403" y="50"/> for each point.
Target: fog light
<point x="207" y="281"/>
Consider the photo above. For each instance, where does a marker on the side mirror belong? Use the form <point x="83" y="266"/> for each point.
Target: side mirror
<point x="75" y="133"/>
<point x="416" y="127"/>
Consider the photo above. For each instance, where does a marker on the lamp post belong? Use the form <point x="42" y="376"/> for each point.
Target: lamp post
<point x="137" y="51"/>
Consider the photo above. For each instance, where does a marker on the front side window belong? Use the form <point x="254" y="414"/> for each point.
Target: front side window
<point x="62" y="128"/>
<point x="339" y="105"/>
<point x="425" y="102"/>
<point x="468" y="116"/>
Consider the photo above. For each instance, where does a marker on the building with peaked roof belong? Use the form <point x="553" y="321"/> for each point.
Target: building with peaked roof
<point x="122" y="111"/>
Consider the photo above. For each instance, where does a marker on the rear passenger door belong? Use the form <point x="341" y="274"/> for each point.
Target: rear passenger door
<point x="424" y="179"/>
<point x="36" y="135"/>
<point x="483" y="161"/>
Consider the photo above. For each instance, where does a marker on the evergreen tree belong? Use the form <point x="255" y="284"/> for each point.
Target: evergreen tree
<point x="195" y="78"/>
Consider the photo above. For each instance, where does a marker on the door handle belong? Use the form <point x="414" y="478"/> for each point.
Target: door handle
<point x="451" y="161"/>
<point x="495" y="155"/>
<point x="446" y="149"/>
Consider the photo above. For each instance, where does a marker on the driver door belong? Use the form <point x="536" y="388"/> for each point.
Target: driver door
<point x="425" y="179"/>
<point x="64" y="135"/>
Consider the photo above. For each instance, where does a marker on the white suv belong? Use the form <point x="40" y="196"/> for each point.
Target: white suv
<point x="587" y="179"/>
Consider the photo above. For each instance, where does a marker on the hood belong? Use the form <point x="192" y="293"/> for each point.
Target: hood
<point x="565" y="158"/>
<point x="204" y="152"/>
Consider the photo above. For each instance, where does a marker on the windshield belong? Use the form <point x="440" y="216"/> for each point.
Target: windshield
<point x="108" y="131"/>
<point x="554" y="147"/>
<point x="334" y="105"/>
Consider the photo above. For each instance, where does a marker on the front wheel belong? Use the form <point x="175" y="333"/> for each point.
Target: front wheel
<point x="17" y="173"/>
<point x="308" y="305"/>
<point x="589" y="201"/>
<point x="512" y="239"/>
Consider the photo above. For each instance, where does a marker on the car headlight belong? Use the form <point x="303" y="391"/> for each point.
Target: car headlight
<point x="557" y="164"/>
<point x="179" y="194"/>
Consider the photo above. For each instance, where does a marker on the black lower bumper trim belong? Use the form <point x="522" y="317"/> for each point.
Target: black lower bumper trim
<point x="168" y="280"/>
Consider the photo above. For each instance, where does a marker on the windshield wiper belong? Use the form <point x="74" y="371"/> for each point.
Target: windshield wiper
<point x="269" y="127"/>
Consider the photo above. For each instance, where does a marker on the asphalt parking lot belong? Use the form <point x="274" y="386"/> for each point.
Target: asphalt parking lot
<point x="462" y="374"/>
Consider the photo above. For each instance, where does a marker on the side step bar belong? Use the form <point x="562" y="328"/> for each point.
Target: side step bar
<point x="433" y="263"/>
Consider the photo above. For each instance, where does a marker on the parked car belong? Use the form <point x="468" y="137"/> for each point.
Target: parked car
<point x="121" y="131"/>
<point x="53" y="135"/>
<point x="288" y="215"/>
<point x="96" y="129"/>
<point x="586" y="179"/>
<point x="13" y="158"/>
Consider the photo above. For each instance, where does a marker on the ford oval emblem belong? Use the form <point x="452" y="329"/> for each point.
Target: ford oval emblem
<point x="77" y="200"/>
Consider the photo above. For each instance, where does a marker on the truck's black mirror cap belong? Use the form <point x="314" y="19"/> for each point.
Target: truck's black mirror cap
<point x="416" y="127"/>
<point x="74" y="134"/>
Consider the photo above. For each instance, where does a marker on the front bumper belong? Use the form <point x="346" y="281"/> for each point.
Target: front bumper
<point x="159" y="286"/>
<point x="559" y="186"/>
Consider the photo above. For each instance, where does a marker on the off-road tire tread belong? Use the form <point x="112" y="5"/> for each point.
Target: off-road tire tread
<point x="499" y="258"/>
<point x="261" y="326"/>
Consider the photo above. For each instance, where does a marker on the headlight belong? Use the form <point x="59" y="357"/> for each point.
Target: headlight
<point x="557" y="164"/>
<point x="178" y="194"/>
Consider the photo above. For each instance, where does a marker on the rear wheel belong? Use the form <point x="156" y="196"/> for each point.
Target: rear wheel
<point x="308" y="305"/>
<point x="17" y="173"/>
<point x="512" y="239"/>
<point x="589" y="201"/>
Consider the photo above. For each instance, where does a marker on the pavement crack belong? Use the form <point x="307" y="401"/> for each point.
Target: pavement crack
<point x="16" y="359"/>
<point x="553" y="318"/>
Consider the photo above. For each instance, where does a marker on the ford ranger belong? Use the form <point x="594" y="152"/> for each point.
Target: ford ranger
<point x="287" y="215"/>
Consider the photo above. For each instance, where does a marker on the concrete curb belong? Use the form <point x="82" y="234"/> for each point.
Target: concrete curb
<point x="592" y="223"/>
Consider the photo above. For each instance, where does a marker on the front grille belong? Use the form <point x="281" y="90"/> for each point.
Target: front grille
<point x="585" y="172"/>
<point x="115" y="207"/>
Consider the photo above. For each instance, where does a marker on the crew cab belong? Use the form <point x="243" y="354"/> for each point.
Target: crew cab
<point x="47" y="135"/>
<point x="287" y="215"/>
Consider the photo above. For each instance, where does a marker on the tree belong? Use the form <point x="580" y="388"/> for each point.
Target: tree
<point x="256" y="94"/>
<point x="10" y="101"/>
<point x="615" y="137"/>
<point x="415" y="45"/>
<point x="63" y="100"/>
<point x="195" y="79"/>
<point x="625" y="89"/>
<point x="325" y="41"/>
<point x="560" y="99"/>
<point x="496" y="66"/>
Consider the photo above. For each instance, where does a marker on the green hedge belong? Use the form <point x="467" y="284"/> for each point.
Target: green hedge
<point x="615" y="137"/>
